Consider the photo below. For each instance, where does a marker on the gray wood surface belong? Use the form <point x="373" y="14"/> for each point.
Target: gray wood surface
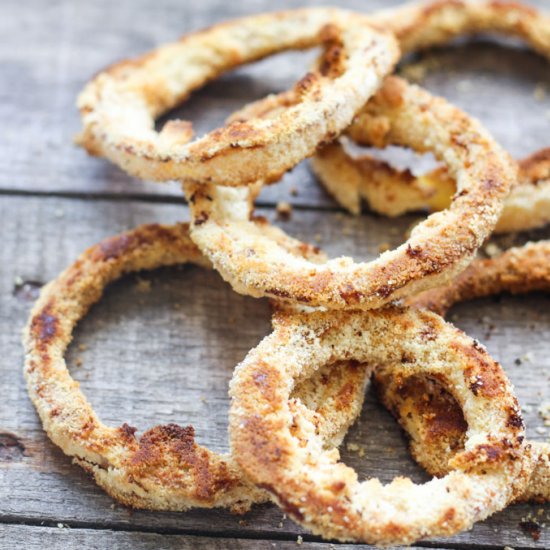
<point x="60" y="538"/>
<point x="167" y="355"/>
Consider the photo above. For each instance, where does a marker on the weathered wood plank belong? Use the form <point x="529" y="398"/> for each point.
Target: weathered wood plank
<point x="62" y="538"/>
<point x="167" y="355"/>
<point x="47" y="55"/>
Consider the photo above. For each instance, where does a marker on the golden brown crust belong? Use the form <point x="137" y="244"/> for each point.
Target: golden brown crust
<point x="517" y="271"/>
<point x="165" y="468"/>
<point x="432" y="23"/>
<point x="438" y="248"/>
<point x="325" y="495"/>
<point x="430" y="416"/>
<point x="393" y="192"/>
<point x="119" y="105"/>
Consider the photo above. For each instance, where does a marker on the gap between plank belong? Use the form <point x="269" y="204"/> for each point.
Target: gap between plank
<point x="144" y="197"/>
<point x="265" y="536"/>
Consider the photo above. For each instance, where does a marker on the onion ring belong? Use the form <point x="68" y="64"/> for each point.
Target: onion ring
<point x="439" y="248"/>
<point x="430" y="416"/>
<point x="427" y="24"/>
<point x="325" y="495"/>
<point x="164" y="469"/>
<point x="118" y="107"/>
<point x="394" y="192"/>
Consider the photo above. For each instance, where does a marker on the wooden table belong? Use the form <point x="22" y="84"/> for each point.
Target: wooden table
<point x="166" y="355"/>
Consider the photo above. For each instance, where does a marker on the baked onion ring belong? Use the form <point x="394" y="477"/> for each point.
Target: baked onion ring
<point x="438" y="248"/>
<point x="164" y="469"/>
<point x="119" y="106"/>
<point x="422" y="25"/>
<point x="394" y="192"/>
<point x="429" y="414"/>
<point x="325" y="495"/>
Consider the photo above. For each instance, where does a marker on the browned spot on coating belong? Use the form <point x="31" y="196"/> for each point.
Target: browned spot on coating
<point x="120" y="245"/>
<point x="306" y="84"/>
<point x="449" y="515"/>
<point x="200" y="218"/>
<point x="114" y="247"/>
<point x="492" y="452"/>
<point x="286" y="505"/>
<point x="267" y="381"/>
<point x="44" y="326"/>
<point x="278" y="293"/>
<point x="240" y="130"/>
<point x="414" y="251"/>
<point x="330" y="33"/>
<point x="345" y="396"/>
<point x="515" y="420"/>
<point x="259" y="444"/>
<point x="433" y="405"/>
<point x="350" y="295"/>
<point x="428" y="334"/>
<point x="482" y="371"/>
<point x="333" y="61"/>
<point x="127" y="431"/>
<point x="475" y="386"/>
<point x="385" y="291"/>
<point x="307" y="249"/>
<point x="173" y="447"/>
<point x="260" y="220"/>
<point x="536" y="167"/>
<point x="338" y="486"/>
<point x="506" y="6"/>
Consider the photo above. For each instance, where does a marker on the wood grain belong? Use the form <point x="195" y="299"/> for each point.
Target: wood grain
<point x="71" y="41"/>
<point x="166" y="355"/>
<point x="61" y="538"/>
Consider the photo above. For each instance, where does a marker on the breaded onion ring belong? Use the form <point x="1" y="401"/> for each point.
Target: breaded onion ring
<point x="429" y="415"/>
<point x="119" y="106"/>
<point x="422" y="25"/>
<point x="164" y="469"/>
<point x="325" y="495"/>
<point x="517" y="270"/>
<point x="438" y="248"/>
<point x="392" y="192"/>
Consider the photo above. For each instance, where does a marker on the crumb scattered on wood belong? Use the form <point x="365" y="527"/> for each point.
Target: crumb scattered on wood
<point x="284" y="211"/>
<point x="544" y="412"/>
<point x="356" y="448"/>
<point x="531" y="526"/>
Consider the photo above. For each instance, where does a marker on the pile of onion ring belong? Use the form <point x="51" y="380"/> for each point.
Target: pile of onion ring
<point x="337" y="323"/>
